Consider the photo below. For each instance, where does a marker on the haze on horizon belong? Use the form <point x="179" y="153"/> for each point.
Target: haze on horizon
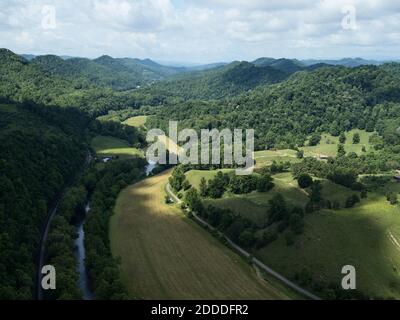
<point x="203" y="31"/>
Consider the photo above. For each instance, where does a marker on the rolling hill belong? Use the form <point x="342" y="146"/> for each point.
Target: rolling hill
<point x="223" y="81"/>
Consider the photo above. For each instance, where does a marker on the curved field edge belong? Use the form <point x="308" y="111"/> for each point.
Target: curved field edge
<point x="165" y="255"/>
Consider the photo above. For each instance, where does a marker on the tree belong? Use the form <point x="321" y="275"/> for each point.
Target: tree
<point x="316" y="192"/>
<point x="193" y="200"/>
<point x="315" y="139"/>
<point x="342" y="138"/>
<point x="264" y="183"/>
<point x="304" y="180"/>
<point x="278" y="208"/>
<point x="356" y="138"/>
<point x="203" y="187"/>
<point x="392" y="197"/>
<point x="247" y="238"/>
<point x="341" y="152"/>
<point x="300" y="154"/>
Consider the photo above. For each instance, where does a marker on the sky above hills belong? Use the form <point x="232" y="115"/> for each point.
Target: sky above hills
<point x="203" y="31"/>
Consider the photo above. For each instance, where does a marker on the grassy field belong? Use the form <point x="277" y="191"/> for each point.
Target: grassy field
<point x="366" y="236"/>
<point x="266" y="157"/>
<point x="165" y="255"/>
<point x="137" y="122"/>
<point x="194" y="176"/>
<point x="329" y="144"/>
<point x="253" y="205"/>
<point x="110" y="146"/>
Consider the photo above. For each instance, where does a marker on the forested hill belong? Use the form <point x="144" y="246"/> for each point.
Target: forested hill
<point x="105" y="71"/>
<point x="42" y="149"/>
<point x="331" y="99"/>
<point x="285" y="65"/>
<point x="229" y="80"/>
<point x="50" y="80"/>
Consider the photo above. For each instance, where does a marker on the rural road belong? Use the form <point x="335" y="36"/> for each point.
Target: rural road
<point x="256" y="262"/>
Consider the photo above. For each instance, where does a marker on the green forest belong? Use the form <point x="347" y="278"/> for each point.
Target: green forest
<point x="51" y="108"/>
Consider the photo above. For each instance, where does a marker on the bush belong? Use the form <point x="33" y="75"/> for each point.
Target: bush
<point x="392" y="198"/>
<point x="304" y="180"/>
<point x="247" y="238"/>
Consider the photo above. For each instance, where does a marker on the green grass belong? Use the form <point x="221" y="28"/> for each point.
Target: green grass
<point x="366" y="236"/>
<point x="165" y="255"/>
<point x="334" y="192"/>
<point x="329" y="144"/>
<point x="110" y="146"/>
<point x="194" y="176"/>
<point x="243" y="207"/>
<point x="137" y="122"/>
<point x="285" y="185"/>
<point x="361" y="236"/>
<point x="266" y="157"/>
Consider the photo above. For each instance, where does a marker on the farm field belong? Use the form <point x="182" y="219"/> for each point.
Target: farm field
<point x="329" y="144"/>
<point x="137" y="122"/>
<point x="165" y="255"/>
<point x="366" y="236"/>
<point x="266" y="157"/>
<point x="110" y="146"/>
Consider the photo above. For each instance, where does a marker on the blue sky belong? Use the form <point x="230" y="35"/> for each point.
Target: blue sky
<point x="203" y="31"/>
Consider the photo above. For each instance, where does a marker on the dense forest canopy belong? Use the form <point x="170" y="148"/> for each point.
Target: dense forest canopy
<point x="38" y="158"/>
<point x="330" y="99"/>
<point x="48" y="115"/>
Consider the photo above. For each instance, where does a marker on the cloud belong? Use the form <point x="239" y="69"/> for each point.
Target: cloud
<point x="203" y="30"/>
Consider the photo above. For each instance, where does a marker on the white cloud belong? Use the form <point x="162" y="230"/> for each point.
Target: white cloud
<point x="202" y="30"/>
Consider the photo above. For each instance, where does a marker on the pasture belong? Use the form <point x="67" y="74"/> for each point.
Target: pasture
<point x="165" y="255"/>
<point x="137" y="122"/>
<point x="329" y="144"/>
<point x="366" y="236"/>
<point x="110" y="146"/>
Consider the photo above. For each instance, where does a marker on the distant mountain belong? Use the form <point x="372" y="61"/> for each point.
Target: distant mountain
<point x="345" y="62"/>
<point x="285" y="65"/>
<point x="205" y="67"/>
<point x="28" y="57"/>
<point x="105" y="71"/>
<point x="99" y="72"/>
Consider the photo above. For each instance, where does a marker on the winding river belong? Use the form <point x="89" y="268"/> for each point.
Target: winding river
<point x="80" y="248"/>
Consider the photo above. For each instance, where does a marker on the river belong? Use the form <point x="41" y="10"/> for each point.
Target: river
<point x="80" y="246"/>
<point x="80" y="256"/>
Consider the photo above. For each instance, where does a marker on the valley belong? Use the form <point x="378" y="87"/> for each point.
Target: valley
<point x="324" y="192"/>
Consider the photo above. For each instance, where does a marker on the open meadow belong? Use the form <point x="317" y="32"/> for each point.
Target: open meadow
<point x="110" y="146"/>
<point x="366" y="236"/>
<point x="165" y="255"/>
